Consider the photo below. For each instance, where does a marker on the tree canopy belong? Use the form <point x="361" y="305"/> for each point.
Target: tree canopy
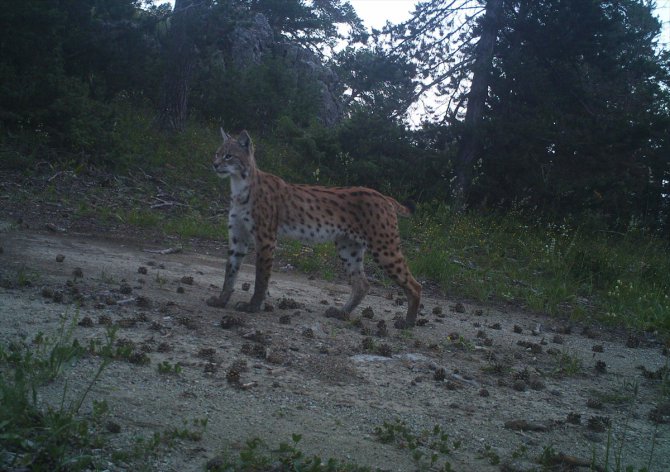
<point x="556" y="105"/>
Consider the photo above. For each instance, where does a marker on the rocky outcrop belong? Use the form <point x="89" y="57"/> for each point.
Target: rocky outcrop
<point x="250" y="43"/>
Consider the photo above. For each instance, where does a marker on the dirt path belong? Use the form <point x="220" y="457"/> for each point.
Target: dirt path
<point x="479" y="372"/>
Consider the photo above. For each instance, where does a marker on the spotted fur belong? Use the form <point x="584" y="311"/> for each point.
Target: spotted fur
<point x="263" y="207"/>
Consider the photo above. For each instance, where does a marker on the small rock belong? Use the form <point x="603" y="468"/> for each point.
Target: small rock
<point x="86" y="322"/>
<point x="188" y="323"/>
<point x="47" y="292"/>
<point x="533" y="347"/>
<point x="126" y="323"/>
<point x="574" y="418"/>
<point x="142" y="270"/>
<point x="285" y="319"/>
<point x="660" y="414"/>
<point x="336" y="313"/>
<point x="233" y="376"/>
<point x="524" y="425"/>
<point x="557" y="339"/>
<point x="599" y="424"/>
<point x="367" y="344"/>
<point x="125" y="289"/>
<point x="519" y="385"/>
<point x="437" y="310"/>
<point x="633" y="342"/>
<point x="143" y="302"/>
<point x="597" y="348"/>
<point x="207" y="353"/>
<point x="452" y="385"/>
<point x="77" y="273"/>
<point x="440" y="374"/>
<point x="589" y="332"/>
<point x="517" y="329"/>
<point x="382" y="329"/>
<point x="276" y="357"/>
<point x="385" y="350"/>
<point x="246" y="286"/>
<point x="288" y="304"/>
<point x="58" y="296"/>
<point x="458" y="308"/>
<point x="308" y="333"/>
<point x="564" y="329"/>
<point x="60" y="257"/>
<point x="594" y="403"/>
<point x="230" y="321"/>
<point x="268" y="307"/>
<point x="180" y="289"/>
<point x="187" y="280"/>
<point x="495" y="326"/>
<point x="368" y="313"/>
<point x="105" y="320"/>
<point x="113" y="427"/>
<point x="254" y="349"/>
<point x="484" y="393"/>
<point x="535" y="383"/>
<point x="421" y="322"/>
<point x="601" y="367"/>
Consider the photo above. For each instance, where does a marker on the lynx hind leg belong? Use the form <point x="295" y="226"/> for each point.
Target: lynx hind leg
<point x="391" y="259"/>
<point x="351" y="253"/>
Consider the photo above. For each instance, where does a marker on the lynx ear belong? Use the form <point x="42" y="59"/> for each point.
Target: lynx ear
<point x="244" y="140"/>
<point x="224" y="135"/>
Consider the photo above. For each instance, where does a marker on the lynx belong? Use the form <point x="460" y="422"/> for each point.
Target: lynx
<point x="264" y="207"/>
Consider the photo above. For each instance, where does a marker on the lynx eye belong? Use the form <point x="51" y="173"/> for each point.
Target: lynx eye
<point x="227" y="157"/>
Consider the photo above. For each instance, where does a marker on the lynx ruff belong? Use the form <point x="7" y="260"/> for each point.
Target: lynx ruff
<point x="264" y="207"/>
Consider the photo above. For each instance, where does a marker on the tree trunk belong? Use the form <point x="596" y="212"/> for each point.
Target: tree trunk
<point x="179" y="54"/>
<point x="469" y="146"/>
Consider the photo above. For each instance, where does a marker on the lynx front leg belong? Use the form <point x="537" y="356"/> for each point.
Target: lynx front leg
<point x="238" y="249"/>
<point x="264" y="259"/>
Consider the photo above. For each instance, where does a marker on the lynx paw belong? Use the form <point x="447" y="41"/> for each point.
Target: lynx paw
<point x="216" y="302"/>
<point x="247" y="307"/>
<point x="404" y="324"/>
<point x="336" y="313"/>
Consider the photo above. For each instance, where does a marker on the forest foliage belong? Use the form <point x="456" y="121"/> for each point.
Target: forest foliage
<point x="575" y="120"/>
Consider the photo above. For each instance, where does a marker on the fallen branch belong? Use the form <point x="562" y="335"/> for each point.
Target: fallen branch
<point x="573" y="461"/>
<point x="170" y="250"/>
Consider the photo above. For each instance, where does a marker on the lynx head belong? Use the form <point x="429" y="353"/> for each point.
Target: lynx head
<point x="235" y="157"/>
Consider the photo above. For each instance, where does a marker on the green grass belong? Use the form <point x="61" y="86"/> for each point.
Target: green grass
<point x="257" y="456"/>
<point x="427" y="448"/>
<point x="621" y="279"/>
<point x="38" y="437"/>
<point x="317" y="259"/>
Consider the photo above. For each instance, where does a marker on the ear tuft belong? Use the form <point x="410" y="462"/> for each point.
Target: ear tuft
<point x="224" y="135"/>
<point x="244" y="140"/>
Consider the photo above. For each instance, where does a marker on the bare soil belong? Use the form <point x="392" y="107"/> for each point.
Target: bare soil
<point x="503" y="383"/>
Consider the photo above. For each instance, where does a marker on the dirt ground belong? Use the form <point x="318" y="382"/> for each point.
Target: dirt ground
<point x="503" y="383"/>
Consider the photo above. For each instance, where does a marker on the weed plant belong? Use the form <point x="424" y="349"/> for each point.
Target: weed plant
<point x="256" y="456"/>
<point x="38" y="437"/>
<point x="570" y="270"/>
